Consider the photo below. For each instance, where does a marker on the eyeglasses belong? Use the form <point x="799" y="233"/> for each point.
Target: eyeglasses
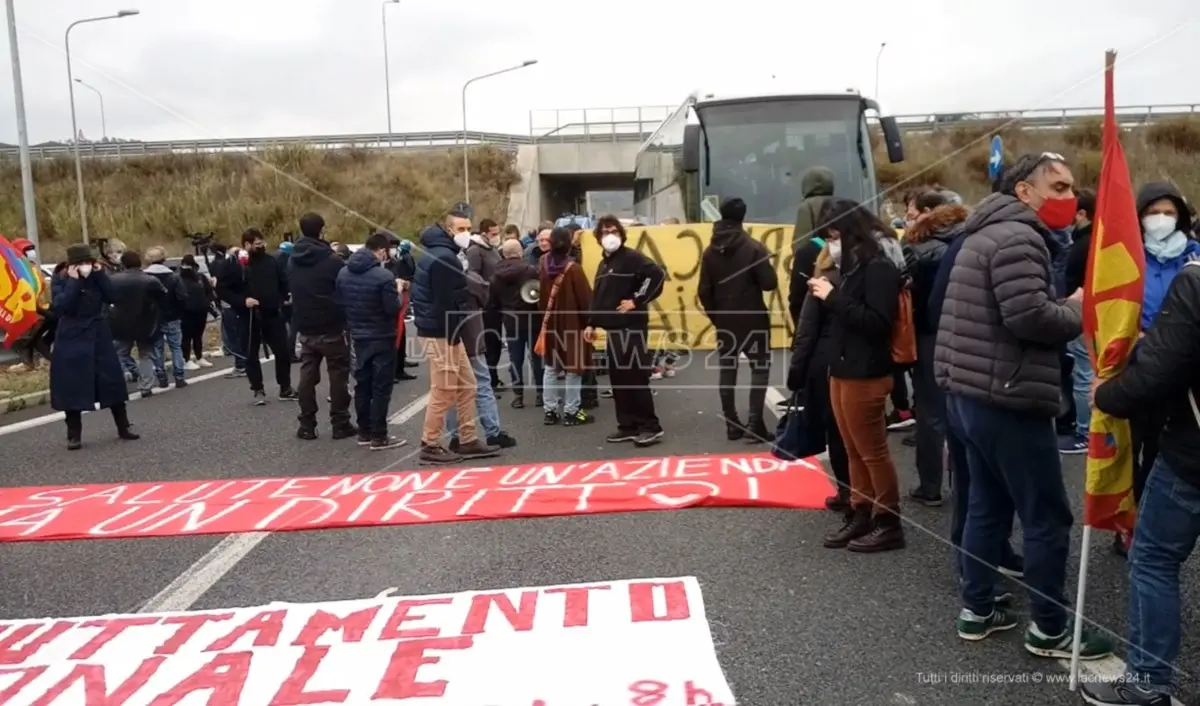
<point x="1053" y="156"/>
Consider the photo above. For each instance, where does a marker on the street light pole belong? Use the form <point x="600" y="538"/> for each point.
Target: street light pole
<point x="103" y="120"/>
<point x="387" y="69"/>
<point x="467" y="147"/>
<point x="31" y="226"/>
<point x="83" y="224"/>
<point x="878" y="57"/>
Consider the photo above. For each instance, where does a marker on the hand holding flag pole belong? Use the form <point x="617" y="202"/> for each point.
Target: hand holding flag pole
<point x="1112" y="309"/>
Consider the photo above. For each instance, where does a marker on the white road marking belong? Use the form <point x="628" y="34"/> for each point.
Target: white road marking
<point x="133" y="397"/>
<point x="197" y="579"/>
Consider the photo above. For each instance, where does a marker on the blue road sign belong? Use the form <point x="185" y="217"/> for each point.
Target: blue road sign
<point x="996" y="158"/>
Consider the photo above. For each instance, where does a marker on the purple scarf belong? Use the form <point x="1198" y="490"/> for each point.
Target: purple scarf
<point x="556" y="263"/>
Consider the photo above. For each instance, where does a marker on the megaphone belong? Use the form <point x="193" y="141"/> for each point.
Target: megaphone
<point x="531" y="291"/>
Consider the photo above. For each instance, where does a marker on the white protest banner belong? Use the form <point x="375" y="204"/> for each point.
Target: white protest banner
<point x="642" y="642"/>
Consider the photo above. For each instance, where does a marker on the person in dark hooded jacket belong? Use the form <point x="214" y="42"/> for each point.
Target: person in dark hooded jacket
<point x="320" y="324"/>
<point x="137" y="318"/>
<point x="816" y="186"/>
<point x="925" y="244"/>
<point x="735" y="273"/>
<point x="264" y="290"/>
<point x="170" y="319"/>
<point x="521" y="318"/>
<point x="626" y="282"/>
<point x="439" y="301"/>
<point x="370" y="297"/>
<point x="84" y="368"/>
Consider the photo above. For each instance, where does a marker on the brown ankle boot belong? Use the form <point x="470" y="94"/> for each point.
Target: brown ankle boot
<point x="857" y="523"/>
<point x="886" y="534"/>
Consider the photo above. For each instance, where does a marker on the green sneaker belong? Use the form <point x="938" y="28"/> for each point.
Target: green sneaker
<point x="974" y="627"/>
<point x="1092" y="645"/>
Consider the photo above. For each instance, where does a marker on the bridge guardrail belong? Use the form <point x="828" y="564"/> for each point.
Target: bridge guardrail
<point x="581" y="132"/>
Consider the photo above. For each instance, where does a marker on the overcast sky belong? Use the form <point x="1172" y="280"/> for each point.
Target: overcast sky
<point x="244" y="68"/>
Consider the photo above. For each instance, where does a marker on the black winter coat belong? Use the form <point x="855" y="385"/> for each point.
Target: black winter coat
<point x="173" y="304"/>
<point x="137" y="304"/>
<point x="735" y="272"/>
<point x="439" y="286"/>
<point x="506" y="283"/>
<point x="864" y="308"/>
<point x="812" y="347"/>
<point x="84" y="368"/>
<point x="1165" y="376"/>
<point x="312" y="276"/>
<point x="1001" y="328"/>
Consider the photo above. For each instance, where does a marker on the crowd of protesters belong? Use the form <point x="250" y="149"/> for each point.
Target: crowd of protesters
<point x="982" y="307"/>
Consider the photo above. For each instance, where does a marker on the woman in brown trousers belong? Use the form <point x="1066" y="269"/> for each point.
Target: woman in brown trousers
<point x="566" y="299"/>
<point x="864" y="306"/>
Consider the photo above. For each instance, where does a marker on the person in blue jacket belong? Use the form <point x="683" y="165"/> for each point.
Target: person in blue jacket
<point x="1166" y="224"/>
<point x="370" y="296"/>
<point x="84" y="368"/>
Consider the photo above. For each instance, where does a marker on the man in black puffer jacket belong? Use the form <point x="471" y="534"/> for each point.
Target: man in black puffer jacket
<point x="925" y="243"/>
<point x="997" y="358"/>
<point x="735" y="273"/>
<point x="320" y="325"/>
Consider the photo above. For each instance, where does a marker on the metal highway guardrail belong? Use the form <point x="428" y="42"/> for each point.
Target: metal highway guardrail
<point x="631" y="131"/>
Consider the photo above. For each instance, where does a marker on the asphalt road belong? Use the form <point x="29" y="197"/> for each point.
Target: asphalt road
<point x="794" y="623"/>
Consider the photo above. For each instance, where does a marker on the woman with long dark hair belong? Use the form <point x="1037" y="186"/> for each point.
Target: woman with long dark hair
<point x="864" y="306"/>
<point x="566" y="299"/>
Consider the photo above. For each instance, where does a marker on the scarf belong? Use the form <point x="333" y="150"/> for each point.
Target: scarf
<point x="555" y="263"/>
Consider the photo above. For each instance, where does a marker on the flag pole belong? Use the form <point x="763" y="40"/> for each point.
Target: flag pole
<point x="1085" y="547"/>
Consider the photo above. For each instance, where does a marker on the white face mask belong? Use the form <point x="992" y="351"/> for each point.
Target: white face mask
<point x="85" y="270"/>
<point x="835" y="251"/>
<point x="462" y="240"/>
<point x="31" y="254"/>
<point x="610" y="242"/>
<point x="393" y="253"/>
<point x="1158" y="226"/>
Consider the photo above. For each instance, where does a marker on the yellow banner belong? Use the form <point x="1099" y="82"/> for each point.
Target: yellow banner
<point x="677" y="321"/>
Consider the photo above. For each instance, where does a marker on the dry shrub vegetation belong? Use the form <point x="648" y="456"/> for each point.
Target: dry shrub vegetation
<point x="957" y="158"/>
<point x="159" y="199"/>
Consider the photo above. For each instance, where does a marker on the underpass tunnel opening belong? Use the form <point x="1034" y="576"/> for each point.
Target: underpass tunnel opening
<point x="594" y="194"/>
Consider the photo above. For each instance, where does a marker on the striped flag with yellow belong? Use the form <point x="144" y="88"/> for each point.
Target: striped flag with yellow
<point x="1112" y="310"/>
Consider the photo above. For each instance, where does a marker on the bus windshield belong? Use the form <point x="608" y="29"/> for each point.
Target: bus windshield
<point x="758" y="150"/>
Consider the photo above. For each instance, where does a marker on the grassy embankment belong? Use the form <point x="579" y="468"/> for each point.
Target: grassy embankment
<point x="957" y="158"/>
<point x="158" y="200"/>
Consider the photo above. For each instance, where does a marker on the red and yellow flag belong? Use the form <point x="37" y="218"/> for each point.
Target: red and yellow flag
<point x="1112" y="311"/>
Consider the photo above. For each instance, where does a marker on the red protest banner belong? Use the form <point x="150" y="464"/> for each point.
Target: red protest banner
<point x="609" y="642"/>
<point x="409" y="497"/>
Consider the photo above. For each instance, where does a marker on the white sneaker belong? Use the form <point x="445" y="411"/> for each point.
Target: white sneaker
<point x="204" y="363"/>
<point x="190" y="366"/>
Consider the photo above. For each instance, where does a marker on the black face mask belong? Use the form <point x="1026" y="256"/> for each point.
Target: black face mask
<point x="258" y="251"/>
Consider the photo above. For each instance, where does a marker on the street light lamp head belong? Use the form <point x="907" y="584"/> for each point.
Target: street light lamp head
<point x="529" y="62"/>
<point x="128" y="13"/>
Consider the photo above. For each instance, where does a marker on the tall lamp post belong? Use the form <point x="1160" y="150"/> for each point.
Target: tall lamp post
<point x="31" y="227"/>
<point x="878" y="57"/>
<point x="103" y="120"/>
<point x="83" y="224"/>
<point x="467" y="147"/>
<point x="387" y="69"/>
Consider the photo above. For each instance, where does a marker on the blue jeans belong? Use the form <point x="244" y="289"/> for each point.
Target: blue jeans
<point x="143" y="369"/>
<point x="485" y="402"/>
<point x="1168" y="525"/>
<point x="233" y="338"/>
<point x="374" y="377"/>
<point x="960" y="487"/>
<point x="1081" y="382"/>
<point x="520" y="346"/>
<point x="568" y="392"/>
<point x="172" y="338"/>
<point x="1013" y="465"/>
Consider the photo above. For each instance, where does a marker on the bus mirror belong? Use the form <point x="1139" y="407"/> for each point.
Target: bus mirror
<point x="891" y="138"/>
<point x="691" y="149"/>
